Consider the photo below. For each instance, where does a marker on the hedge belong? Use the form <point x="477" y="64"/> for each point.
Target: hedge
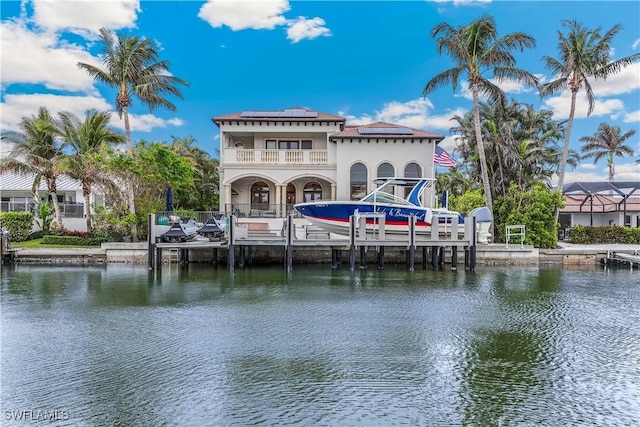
<point x="19" y="224"/>
<point x="614" y="234"/>
<point x="72" y="240"/>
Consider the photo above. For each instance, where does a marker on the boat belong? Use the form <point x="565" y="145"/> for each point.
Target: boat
<point x="182" y="230"/>
<point x="333" y="215"/>
<point x="212" y="229"/>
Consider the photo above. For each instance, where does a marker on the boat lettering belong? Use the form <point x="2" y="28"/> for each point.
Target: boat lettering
<point x="397" y="212"/>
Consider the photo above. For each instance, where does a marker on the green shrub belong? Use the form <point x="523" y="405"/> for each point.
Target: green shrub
<point x="535" y="209"/>
<point x="19" y="224"/>
<point x="36" y="235"/>
<point x="593" y="235"/>
<point x="467" y="202"/>
<point x="72" y="240"/>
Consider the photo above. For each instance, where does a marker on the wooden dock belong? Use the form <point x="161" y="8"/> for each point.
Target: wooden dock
<point x="456" y="237"/>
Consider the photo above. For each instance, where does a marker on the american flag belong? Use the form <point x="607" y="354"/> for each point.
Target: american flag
<point x="443" y="158"/>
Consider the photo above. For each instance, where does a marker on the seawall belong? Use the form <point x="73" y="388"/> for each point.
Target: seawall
<point x="492" y="254"/>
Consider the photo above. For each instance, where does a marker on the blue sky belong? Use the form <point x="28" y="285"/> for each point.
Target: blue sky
<point x="367" y="61"/>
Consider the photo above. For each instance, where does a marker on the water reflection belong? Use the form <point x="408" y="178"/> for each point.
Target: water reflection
<point x="199" y="346"/>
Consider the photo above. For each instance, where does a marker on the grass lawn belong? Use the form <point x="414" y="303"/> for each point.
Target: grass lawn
<point x="37" y="244"/>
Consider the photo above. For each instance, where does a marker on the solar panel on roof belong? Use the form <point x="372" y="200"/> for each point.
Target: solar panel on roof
<point x="384" y="131"/>
<point x="290" y="113"/>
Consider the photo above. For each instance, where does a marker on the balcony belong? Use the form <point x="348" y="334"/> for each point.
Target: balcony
<point x="275" y="157"/>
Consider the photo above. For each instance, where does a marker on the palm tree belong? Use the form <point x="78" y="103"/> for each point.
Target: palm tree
<point x="607" y="142"/>
<point x="584" y="55"/>
<point x="36" y="151"/>
<point x="83" y="140"/>
<point x="133" y="69"/>
<point x="476" y="48"/>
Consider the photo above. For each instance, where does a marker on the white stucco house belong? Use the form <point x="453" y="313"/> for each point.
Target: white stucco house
<point x="271" y="160"/>
<point x="17" y="196"/>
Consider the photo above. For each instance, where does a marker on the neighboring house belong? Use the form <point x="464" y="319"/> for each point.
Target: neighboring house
<point x="600" y="204"/>
<point x="17" y="196"/>
<point x="271" y="160"/>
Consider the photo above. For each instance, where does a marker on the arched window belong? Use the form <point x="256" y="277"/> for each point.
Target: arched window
<point x="412" y="170"/>
<point x="260" y="196"/>
<point x="312" y="191"/>
<point x="385" y="170"/>
<point x="358" y="181"/>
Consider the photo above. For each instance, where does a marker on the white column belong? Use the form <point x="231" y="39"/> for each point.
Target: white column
<point x="227" y="197"/>
<point x="278" y="200"/>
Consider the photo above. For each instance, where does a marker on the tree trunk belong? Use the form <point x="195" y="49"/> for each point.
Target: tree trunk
<point x="51" y="184"/>
<point x="56" y="207"/>
<point x="565" y="148"/>
<point x="129" y="183"/>
<point x="86" y="192"/>
<point x="483" y="158"/>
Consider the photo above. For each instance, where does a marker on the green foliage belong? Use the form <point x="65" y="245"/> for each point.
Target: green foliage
<point x="615" y="234"/>
<point x="466" y="202"/>
<point x="535" y="209"/>
<point x="19" y="224"/>
<point x="72" y="240"/>
<point x="46" y="214"/>
<point x="112" y="224"/>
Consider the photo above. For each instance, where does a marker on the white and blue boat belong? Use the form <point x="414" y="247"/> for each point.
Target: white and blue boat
<point x="333" y="216"/>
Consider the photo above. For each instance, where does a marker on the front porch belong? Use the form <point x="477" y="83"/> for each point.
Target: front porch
<point x="254" y="197"/>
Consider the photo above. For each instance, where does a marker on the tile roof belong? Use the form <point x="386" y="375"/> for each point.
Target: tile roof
<point x="320" y="117"/>
<point x="601" y="203"/>
<point x="10" y="181"/>
<point x="351" y="131"/>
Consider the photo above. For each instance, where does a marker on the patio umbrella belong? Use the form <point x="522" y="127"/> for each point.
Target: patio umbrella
<point x="169" y="199"/>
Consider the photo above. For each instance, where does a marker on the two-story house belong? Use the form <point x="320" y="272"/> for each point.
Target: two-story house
<point x="271" y="160"/>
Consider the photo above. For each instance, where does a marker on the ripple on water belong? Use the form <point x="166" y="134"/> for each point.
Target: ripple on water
<point x="501" y="346"/>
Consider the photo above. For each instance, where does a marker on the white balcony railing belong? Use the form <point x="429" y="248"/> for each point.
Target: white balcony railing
<point x="275" y="157"/>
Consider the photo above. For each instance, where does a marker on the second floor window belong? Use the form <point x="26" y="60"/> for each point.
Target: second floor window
<point x="288" y="144"/>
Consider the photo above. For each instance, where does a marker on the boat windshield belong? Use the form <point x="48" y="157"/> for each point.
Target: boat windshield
<point x="382" y="197"/>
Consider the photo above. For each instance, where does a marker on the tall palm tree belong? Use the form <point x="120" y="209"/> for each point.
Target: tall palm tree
<point x="133" y="69"/>
<point x="583" y="56"/>
<point x="82" y="140"/>
<point x="607" y="142"/>
<point x="36" y="151"/>
<point x="475" y="49"/>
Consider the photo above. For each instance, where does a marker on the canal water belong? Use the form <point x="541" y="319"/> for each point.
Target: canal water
<point x="114" y="346"/>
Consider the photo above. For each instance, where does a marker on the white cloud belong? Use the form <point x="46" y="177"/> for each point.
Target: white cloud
<point x="560" y="105"/>
<point x="262" y="15"/>
<point x="15" y="107"/>
<point x="85" y="16"/>
<point x="463" y="2"/>
<point x="600" y="172"/>
<point x="632" y="117"/>
<point x="146" y="122"/>
<point x="38" y="57"/>
<point x="625" y="81"/>
<point x="414" y="114"/>
<point x="241" y="15"/>
<point x="470" y="2"/>
<point x="635" y="44"/>
<point x="449" y="144"/>
<point x="303" y="28"/>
